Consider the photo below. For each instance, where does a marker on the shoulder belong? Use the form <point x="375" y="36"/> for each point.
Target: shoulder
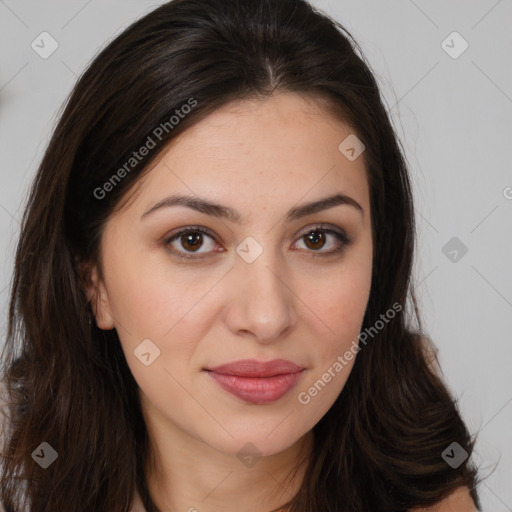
<point x="459" y="501"/>
<point x="137" y="505"/>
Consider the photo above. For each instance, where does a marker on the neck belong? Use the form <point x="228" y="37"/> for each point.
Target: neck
<point x="186" y="474"/>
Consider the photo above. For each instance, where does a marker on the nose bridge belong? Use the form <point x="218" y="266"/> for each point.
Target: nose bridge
<point x="263" y="303"/>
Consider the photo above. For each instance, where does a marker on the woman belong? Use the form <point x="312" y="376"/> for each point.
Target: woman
<point x="210" y="299"/>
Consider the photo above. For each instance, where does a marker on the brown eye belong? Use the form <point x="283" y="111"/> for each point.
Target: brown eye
<point x="316" y="239"/>
<point x="191" y="241"/>
<point x="319" y="237"/>
<point x="188" y="242"/>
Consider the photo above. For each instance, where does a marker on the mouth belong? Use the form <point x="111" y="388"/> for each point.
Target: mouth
<point x="255" y="381"/>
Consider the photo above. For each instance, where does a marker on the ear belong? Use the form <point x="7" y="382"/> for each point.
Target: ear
<point x="96" y="293"/>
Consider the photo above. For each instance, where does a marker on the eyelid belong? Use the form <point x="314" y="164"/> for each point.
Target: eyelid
<point x="176" y="234"/>
<point x="338" y="232"/>
<point x="326" y="228"/>
<point x="322" y="226"/>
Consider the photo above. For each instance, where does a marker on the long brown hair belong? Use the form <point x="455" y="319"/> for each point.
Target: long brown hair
<point x="380" y="445"/>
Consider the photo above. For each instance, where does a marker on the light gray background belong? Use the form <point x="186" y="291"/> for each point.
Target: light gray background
<point x="453" y="116"/>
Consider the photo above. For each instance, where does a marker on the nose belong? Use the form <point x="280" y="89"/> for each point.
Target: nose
<point x="262" y="304"/>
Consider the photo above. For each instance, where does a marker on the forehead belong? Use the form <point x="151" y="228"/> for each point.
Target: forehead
<point x="282" y="148"/>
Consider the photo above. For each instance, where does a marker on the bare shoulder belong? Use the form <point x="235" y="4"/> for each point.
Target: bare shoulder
<point x="459" y="501"/>
<point x="137" y="505"/>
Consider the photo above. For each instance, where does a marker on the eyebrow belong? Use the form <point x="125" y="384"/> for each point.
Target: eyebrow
<point x="225" y="212"/>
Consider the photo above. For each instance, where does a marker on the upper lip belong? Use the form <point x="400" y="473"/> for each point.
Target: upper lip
<point x="255" y="368"/>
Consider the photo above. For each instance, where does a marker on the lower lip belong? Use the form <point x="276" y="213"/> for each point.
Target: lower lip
<point x="257" y="390"/>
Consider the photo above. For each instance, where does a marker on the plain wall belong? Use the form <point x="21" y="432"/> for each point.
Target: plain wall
<point x="453" y="116"/>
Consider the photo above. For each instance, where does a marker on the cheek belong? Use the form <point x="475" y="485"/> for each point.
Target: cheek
<point x="339" y="302"/>
<point x="145" y="297"/>
<point x="141" y="304"/>
<point x="169" y="309"/>
<point x="340" y="305"/>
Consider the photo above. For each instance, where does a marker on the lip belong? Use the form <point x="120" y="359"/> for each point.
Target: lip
<point x="257" y="382"/>
<point x="255" y="368"/>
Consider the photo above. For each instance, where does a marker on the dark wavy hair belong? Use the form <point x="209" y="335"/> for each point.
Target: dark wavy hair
<point x="379" y="447"/>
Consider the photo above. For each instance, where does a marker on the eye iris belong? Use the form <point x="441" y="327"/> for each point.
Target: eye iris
<point x="192" y="241"/>
<point x="316" y="237"/>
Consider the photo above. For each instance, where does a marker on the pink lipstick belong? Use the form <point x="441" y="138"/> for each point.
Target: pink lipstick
<point x="257" y="382"/>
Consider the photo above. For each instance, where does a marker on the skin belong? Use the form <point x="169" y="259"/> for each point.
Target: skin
<point x="261" y="157"/>
<point x="459" y="501"/>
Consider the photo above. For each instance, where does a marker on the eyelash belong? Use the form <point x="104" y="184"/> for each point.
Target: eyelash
<point x="340" y="235"/>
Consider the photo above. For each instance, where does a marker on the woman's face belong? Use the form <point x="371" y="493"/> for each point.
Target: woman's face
<point x="261" y="284"/>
